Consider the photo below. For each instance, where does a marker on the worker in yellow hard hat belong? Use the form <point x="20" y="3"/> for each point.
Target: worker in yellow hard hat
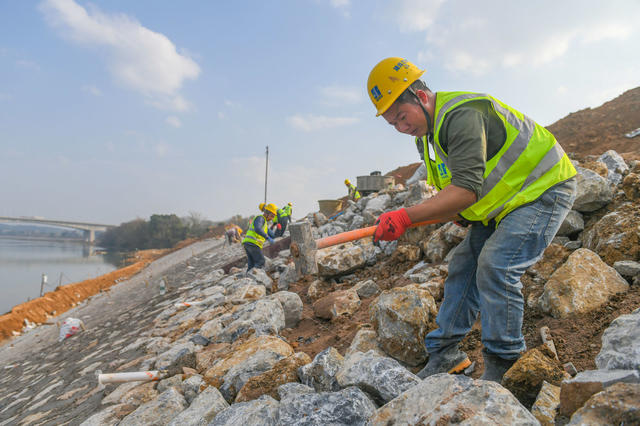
<point x="282" y="219"/>
<point x="353" y="191"/>
<point x="256" y="235"/>
<point x="495" y="169"/>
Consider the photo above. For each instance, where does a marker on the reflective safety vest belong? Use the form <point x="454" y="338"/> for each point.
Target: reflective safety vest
<point x="353" y="192"/>
<point x="286" y="211"/>
<point x="529" y="162"/>
<point x="252" y="236"/>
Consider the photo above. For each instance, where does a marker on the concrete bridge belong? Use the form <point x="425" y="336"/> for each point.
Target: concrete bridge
<point x="89" y="229"/>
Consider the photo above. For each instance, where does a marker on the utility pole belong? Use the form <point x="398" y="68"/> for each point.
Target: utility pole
<point x="266" y="172"/>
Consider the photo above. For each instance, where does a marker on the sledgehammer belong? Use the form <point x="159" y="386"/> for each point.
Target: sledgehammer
<point x="303" y="246"/>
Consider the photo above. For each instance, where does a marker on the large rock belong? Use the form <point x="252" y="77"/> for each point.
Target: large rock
<point x="159" y="411"/>
<point x="576" y="391"/>
<point x="631" y="186"/>
<point x="377" y="205"/>
<point x="524" y="379"/>
<point x="109" y="416"/>
<point x="419" y="175"/>
<point x="442" y="240"/>
<point x="292" y="307"/>
<point x="340" y="260"/>
<point x="287" y="277"/>
<point x="349" y="406"/>
<point x="365" y="340"/>
<point x="262" y="411"/>
<point x="202" y="410"/>
<point x="402" y="317"/>
<point x="545" y="408"/>
<point x="616" y="405"/>
<point x="582" y="284"/>
<point x="616" y="166"/>
<point x="418" y="193"/>
<point x="450" y="399"/>
<point x="321" y="372"/>
<point x="343" y="302"/>
<point x="261" y="317"/>
<point x="381" y="377"/>
<point x="621" y="344"/>
<point x="267" y="383"/>
<point x="366" y="289"/>
<point x="182" y="355"/>
<point x="573" y="224"/>
<point x="616" y="236"/>
<point x="244" y="360"/>
<point x="261" y="277"/>
<point x="593" y="191"/>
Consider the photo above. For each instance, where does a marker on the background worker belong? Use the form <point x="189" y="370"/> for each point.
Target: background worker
<point x="282" y="219"/>
<point x="353" y="191"/>
<point x="499" y="171"/>
<point x="256" y="236"/>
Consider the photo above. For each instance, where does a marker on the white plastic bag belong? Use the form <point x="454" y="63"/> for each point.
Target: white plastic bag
<point x="69" y="327"/>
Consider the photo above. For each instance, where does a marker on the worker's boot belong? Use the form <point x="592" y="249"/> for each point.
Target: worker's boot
<point x="495" y="366"/>
<point x="452" y="361"/>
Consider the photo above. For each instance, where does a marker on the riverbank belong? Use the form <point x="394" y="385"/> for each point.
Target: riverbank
<point x="63" y="298"/>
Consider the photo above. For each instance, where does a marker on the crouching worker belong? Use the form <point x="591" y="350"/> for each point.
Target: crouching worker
<point x="501" y="172"/>
<point x="256" y="235"/>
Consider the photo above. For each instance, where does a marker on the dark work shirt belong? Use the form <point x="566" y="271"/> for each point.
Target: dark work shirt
<point x="471" y="134"/>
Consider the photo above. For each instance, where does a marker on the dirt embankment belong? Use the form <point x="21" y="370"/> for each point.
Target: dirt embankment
<point x="67" y="296"/>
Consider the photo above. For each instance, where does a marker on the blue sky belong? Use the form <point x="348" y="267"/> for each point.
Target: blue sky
<point x="115" y="110"/>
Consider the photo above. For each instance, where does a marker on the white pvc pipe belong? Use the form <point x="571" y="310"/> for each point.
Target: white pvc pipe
<point x="135" y="376"/>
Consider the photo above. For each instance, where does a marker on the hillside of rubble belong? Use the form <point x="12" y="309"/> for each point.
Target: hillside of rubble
<point x="342" y="346"/>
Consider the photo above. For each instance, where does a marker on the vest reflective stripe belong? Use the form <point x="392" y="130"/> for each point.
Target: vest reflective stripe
<point x="519" y="173"/>
<point x="252" y="236"/>
<point x="352" y="188"/>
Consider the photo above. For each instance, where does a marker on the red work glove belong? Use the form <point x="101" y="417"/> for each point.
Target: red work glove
<point x="391" y="225"/>
<point x="279" y="226"/>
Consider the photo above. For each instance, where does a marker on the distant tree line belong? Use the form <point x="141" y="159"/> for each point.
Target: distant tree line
<point x="160" y="231"/>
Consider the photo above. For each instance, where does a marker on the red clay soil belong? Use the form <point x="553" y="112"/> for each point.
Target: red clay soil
<point x="67" y="296"/>
<point x="594" y="131"/>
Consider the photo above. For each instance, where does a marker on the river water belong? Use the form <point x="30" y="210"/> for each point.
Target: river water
<point x="23" y="261"/>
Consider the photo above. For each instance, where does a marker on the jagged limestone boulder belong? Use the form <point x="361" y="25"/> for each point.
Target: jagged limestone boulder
<point x="321" y="372"/>
<point x="453" y="399"/>
<point x="381" y="377"/>
<point x="349" y="406"/>
<point x="402" y="317"/>
<point x="616" y="236"/>
<point x="593" y="191"/>
<point x="581" y="285"/>
<point x="340" y="260"/>
<point x="261" y="411"/>
<point x="621" y="344"/>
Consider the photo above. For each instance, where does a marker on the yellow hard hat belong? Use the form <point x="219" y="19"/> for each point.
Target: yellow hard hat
<point x="347" y="182"/>
<point x="289" y="203"/>
<point x="271" y="208"/>
<point x="261" y="206"/>
<point x="388" y="79"/>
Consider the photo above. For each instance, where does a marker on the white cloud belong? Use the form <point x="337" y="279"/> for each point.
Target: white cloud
<point x="339" y="95"/>
<point x="93" y="90"/>
<point x="480" y="37"/>
<point x="311" y="122"/>
<point x="24" y="63"/>
<point x="174" y="121"/>
<point x="139" y="58"/>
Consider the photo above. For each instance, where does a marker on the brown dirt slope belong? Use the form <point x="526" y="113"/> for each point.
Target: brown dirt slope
<point x="594" y="131"/>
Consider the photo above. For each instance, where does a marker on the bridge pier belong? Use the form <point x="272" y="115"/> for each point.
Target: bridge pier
<point x="89" y="236"/>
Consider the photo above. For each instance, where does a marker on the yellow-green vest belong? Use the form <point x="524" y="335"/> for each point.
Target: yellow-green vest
<point x="529" y="162"/>
<point x="356" y="194"/>
<point x="286" y="211"/>
<point x="252" y="236"/>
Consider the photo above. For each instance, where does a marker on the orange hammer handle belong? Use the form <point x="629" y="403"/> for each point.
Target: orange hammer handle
<point x="357" y="234"/>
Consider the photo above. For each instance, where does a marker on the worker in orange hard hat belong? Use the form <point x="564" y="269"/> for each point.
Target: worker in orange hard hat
<point x="497" y="170"/>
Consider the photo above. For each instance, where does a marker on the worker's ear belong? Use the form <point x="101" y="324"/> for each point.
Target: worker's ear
<point x="422" y="95"/>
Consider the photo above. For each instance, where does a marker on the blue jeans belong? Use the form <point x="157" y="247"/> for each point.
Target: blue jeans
<point x="484" y="274"/>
